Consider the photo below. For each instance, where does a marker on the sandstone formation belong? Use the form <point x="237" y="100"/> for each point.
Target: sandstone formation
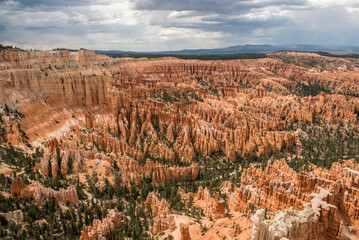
<point x="160" y="211"/>
<point x="214" y="207"/>
<point x="134" y="107"/>
<point x="317" y="219"/>
<point x="39" y="193"/>
<point x="75" y="158"/>
<point x="312" y="201"/>
<point x="274" y="188"/>
<point x="184" y="228"/>
<point x="207" y="129"/>
<point x="124" y="121"/>
<point x="102" y="229"/>
<point x="260" y="228"/>
<point x="15" y="216"/>
<point x="133" y="172"/>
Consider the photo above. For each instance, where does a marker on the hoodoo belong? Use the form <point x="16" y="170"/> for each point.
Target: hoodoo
<point x="95" y="147"/>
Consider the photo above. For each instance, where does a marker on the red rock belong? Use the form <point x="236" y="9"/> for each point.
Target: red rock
<point x="184" y="228"/>
<point x="16" y="216"/>
<point x="160" y="210"/>
<point x="39" y="193"/>
<point x="102" y="229"/>
<point x="159" y="173"/>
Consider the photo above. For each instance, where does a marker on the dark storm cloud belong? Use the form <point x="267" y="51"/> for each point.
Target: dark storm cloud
<point x="228" y="16"/>
<point x="56" y="3"/>
<point x="2" y="28"/>
<point x="223" y="6"/>
<point x="223" y="24"/>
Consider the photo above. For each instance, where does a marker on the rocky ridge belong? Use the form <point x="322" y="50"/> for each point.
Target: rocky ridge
<point x="127" y="121"/>
<point x="320" y="197"/>
<point x="39" y="193"/>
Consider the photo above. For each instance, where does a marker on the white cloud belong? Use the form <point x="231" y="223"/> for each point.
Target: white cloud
<point x="265" y="14"/>
<point x="171" y="24"/>
<point x="332" y="3"/>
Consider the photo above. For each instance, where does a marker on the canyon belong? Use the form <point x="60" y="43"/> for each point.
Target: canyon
<point x="179" y="149"/>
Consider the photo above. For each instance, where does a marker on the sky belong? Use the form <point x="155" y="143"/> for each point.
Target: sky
<point x="156" y="25"/>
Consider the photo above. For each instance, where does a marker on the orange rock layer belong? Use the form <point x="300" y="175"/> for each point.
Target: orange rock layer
<point x="160" y="211"/>
<point x="128" y="104"/>
<point x="319" y="199"/>
<point x="102" y="229"/>
<point x="39" y="193"/>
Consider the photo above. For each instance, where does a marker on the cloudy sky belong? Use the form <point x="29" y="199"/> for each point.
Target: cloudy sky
<point x="148" y="25"/>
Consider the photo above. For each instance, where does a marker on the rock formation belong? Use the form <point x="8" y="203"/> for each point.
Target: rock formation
<point x="162" y="119"/>
<point x="313" y="200"/>
<point x="260" y="227"/>
<point x="39" y="193"/>
<point x="133" y="172"/>
<point x="206" y="129"/>
<point x="15" y="216"/>
<point x="214" y="207"/>
<point x="274" y="188"/>
<point x="317" y="219"/>
<point x="160" y="210"/>
<point x="102" y="229"/>
<point x="184" y="228"/>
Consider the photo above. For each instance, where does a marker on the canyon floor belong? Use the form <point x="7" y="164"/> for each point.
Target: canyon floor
<point x="94" y="147"/>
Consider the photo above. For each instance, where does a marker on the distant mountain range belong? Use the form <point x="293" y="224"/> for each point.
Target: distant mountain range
<point x="248" y="48"/>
